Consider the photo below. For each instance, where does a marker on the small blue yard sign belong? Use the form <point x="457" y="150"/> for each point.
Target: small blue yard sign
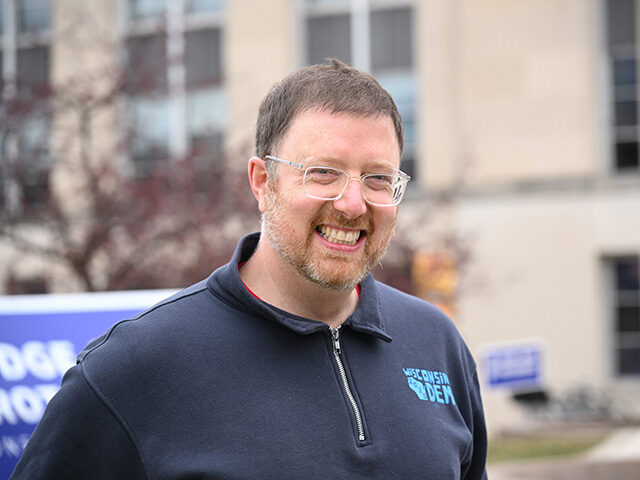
<point x="516" y="366"/>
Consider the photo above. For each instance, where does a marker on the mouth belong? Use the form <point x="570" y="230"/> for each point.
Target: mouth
<point x="342" y="237"/>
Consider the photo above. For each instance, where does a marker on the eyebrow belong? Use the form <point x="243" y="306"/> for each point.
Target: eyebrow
<point x="375" y="166"/>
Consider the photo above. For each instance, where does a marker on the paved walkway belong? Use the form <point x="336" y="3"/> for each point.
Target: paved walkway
<point x="621" y="446"/>
<point x="616" y="458"/>
<point x="573" y="470"/>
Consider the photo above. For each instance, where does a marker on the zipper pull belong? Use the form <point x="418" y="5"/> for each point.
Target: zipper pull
<point x="335" y="336"/>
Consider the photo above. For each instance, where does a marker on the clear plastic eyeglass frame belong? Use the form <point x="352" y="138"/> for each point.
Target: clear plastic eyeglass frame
<point x="399" y="184"/>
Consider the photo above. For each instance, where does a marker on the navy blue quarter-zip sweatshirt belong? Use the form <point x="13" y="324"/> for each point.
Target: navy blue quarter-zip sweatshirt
<point x="214" y="383"/>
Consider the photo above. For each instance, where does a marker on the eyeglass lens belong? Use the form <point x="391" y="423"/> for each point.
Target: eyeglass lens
<point x="327" y="183"/>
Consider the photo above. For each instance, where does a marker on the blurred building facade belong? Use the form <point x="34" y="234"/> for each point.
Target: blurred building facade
<point x="529" y="108"/>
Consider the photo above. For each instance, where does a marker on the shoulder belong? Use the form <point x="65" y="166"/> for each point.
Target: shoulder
<point x="152" y="321"/>
<point x="156" y="350"/>
<point x="397" y="303"/>
<point x="162" y="339"/>
<point x="413" y="321"/>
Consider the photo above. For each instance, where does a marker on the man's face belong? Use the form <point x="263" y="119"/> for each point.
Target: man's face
<point x="334" y="243"/>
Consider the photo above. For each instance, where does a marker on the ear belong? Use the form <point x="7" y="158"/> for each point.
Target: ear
<point x="257" y="172"/>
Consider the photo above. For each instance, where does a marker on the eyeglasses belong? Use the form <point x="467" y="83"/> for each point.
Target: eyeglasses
<point x="329" y="183"/>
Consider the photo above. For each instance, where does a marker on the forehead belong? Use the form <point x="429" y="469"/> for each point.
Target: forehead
<point x="318" y="134"/>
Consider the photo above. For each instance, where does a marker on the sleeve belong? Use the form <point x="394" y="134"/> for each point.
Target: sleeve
<point x="475" y="468"/>
<point x="79" y="438"/>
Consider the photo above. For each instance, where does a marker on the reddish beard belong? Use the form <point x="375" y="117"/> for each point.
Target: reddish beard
<point x="327" y="268"/>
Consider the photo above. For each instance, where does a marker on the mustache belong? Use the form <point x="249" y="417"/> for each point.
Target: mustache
<point x="336" y="220"/>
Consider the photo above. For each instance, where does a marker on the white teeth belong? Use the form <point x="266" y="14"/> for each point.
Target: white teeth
<point x="339" y="236"/>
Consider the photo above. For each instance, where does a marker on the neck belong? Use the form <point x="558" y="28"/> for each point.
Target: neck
<point x="276" y="282"/>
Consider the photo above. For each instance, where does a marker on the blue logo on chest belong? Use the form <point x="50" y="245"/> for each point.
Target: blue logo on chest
<point x="431" y="386"/>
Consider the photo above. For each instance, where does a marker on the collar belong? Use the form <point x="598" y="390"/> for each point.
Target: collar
<point x="226" y="284"/>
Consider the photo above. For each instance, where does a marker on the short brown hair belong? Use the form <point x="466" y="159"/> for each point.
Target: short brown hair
<point x="335" y="87"/>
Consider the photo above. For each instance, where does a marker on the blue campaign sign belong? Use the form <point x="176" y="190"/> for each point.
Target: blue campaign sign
<point x="40" y="336"/>
<point x="515" y="366"/>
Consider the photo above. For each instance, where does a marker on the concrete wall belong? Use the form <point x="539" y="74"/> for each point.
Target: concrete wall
<point x="540" y="259"/>
<point x="510" y="89"/>
<point x="260" y="50"/>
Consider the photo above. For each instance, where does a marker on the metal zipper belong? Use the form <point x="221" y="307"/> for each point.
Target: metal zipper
<point x="335" y="337"/>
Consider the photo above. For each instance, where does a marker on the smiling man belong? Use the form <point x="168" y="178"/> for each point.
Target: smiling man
<point x="291" y="361"/>
<point x="321" y="237"/>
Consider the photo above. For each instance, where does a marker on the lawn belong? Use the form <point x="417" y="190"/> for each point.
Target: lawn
<point x="510" y="448"/>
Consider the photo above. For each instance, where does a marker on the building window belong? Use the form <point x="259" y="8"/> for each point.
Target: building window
<point x="625" y="275"/>
<point x="24" y="58"/>
<point x="328" y="36"/>
<point x="34" y="15"/>
<point x="145" y="9"/>
<point x="150" y="138"/>
<point x="622" y="24"/>
<point x="374" y="36"/>
<point x="203" y="6"/>
<point x="175" y="80"/>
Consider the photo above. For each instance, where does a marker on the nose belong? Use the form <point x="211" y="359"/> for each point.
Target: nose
<point x="351" y="203"/>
